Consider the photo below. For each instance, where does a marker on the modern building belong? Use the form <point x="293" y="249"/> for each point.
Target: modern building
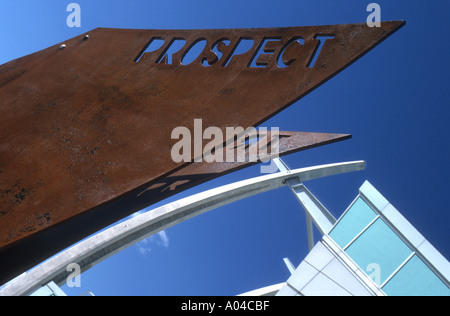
<point x="372" y="250"/>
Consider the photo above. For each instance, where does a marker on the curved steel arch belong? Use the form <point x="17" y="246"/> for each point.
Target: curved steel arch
<point x="111" y="241"/>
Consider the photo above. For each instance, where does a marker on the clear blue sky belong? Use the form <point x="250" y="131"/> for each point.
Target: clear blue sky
<point x="395" y="101"/>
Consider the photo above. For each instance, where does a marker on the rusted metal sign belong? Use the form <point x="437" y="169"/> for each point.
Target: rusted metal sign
<point x="86" y="123"/>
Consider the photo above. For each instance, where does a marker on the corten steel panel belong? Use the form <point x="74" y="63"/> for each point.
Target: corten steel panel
<point x="84" y="126"/>
<point x="197" y="173"/>
<point x="36" y="248"/>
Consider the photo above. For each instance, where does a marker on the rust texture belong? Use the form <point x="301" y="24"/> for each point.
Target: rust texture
<point x="86" y="124"/>
<point x="56" y="237"/>
<point x="197" y="173"/>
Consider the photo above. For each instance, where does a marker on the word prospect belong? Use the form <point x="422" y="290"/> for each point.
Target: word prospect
<point x="255" y="53"/>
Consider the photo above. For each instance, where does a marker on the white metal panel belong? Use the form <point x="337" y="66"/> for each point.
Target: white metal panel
<point x="319" y="257"/>
<point x="302" y="276"/>
<point x="321" y="285"/>
<point x="408" y="231"/>
<point x="340" y="274"/>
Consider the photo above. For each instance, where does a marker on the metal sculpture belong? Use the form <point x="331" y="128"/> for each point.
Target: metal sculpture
<point x="87" y="123"/>
<point x="57" y="237"/>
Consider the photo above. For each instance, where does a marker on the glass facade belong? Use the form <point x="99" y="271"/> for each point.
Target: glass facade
<point x="366" y="237"/>
<point x="357" y="218"/>
<point x="379" y="245"/>
<point x="416" y="279"/>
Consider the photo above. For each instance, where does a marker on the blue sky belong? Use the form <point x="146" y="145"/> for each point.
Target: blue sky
<point x="395" y="102"/>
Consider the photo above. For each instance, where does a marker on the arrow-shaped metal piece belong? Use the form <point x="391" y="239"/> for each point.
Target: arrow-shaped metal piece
<point x="87" y="123"/>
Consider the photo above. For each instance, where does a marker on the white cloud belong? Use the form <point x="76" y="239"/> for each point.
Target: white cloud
<point x="142" y="247"/>
<point x="164" y="239"/>
<point x="160" y="239"/>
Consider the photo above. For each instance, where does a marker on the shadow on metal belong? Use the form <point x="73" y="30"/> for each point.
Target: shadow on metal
<point x="87" y="123"/>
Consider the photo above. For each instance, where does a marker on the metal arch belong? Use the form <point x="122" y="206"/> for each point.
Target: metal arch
<point x="105" y="244"/>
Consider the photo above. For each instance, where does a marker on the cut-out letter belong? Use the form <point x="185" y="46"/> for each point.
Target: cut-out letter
<point x="288" y="54"/>
<point x="243" y="46"/>
<point x="216" y="52"/>
<point x="321" y="42"/>
<point x="154" y="44"/>
<point x="167" y="55"/>
<point x="264" y="56"/>
<point x="193" y="51"/>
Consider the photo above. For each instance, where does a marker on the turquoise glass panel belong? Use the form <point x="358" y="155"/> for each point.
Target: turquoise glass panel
<point x="352" y="223"/>
<point x="416" y="279"/>
<point x="379" y="245"/>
